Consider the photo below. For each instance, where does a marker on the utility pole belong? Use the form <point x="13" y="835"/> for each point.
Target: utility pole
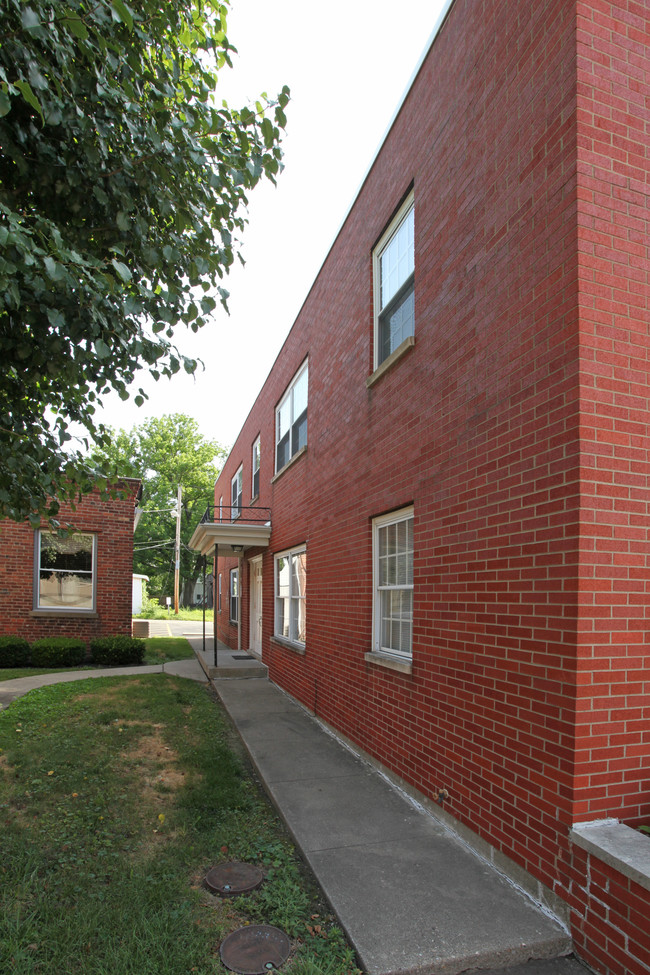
<point x="177" y="549"/>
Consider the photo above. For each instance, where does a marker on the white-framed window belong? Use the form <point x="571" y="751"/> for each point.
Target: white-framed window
<point x="219" y="595"/>
<point x="65" y="571"/>
<point x="392" y="546"/>
<point x="291" y="419"/>
<point x="236" y="494"/>
<point x="393" y="271"/>
<point x="291" y="595"/>
<point x="255" y="487"/>
<point x="221" y="508"/>
<point x="234" y="595"/>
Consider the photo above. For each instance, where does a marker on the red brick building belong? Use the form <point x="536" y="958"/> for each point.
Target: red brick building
<point x="453" y="449"/>
<point x="78" y="585"/>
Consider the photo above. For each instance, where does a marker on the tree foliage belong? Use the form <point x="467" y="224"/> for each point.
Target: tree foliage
<point x="164" y="452"/>
<point x="123" y="184"/>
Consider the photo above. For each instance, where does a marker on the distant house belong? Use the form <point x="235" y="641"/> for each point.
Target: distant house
<point x="138" y="592"/>
<point x="80" y="584"/>
<point x="434" y="524"/>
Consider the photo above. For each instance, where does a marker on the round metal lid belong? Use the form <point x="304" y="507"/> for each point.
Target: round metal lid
<point x="255" y="950"/>
<point x="230" y="879"/>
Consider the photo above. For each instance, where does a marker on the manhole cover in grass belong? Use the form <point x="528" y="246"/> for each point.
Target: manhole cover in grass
<point x="255" y="950"/>
<point x="230" y="879"/>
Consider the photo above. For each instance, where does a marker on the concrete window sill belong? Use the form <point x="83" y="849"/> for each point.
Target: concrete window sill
<point x="390" y="663"/>
<point x="388" y="363"/>
<point x="89" y="614"/>
<point x="288" y="646"/>
<point x="298" y="454"/>
<point x="619" y="846"/>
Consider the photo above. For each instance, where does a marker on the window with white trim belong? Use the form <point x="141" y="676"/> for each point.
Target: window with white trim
<point x="392" y="544"/>
<point x="219" y="595"/>
<point x="393" y="273"/>
<point x="291" y="596"/>
<point x="291" y="419"/>
<point x="236" y="494"/>
<point x="65" y="571"/>
<point x="234" y="595"/>
<point x="256" y="469"/>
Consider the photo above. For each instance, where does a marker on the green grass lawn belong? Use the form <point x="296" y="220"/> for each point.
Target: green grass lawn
<point x="117" y="795"/>
<point x="158" y="650"/>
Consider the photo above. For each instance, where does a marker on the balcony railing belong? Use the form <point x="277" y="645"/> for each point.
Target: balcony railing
<point x="227" y="514"/>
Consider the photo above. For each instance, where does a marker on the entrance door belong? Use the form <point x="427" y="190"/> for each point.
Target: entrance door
<point x="256" y="605"/>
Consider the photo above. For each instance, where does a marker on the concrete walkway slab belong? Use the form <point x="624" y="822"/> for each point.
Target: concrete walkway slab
<point x="411" y="896"/>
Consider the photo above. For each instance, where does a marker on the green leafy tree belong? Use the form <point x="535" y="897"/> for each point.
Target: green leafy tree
<point x="123" y="184"/>
<point x="164" y="452"/>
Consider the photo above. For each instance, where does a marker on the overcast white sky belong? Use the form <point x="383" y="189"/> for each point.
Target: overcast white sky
<point x="348" y="67"/>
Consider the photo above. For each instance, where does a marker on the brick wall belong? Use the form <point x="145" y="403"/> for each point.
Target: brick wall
<point x="613" y="645"/>
<point x="111" y="520"/>
<point x="517" y="426"/>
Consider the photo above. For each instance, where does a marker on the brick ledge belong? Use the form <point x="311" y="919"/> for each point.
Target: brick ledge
<point x="619" y="846"/>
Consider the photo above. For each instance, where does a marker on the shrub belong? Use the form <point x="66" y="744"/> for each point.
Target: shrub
<point x="58" y="651"/>
<point x="117" y="651"/>
<point x="14" y="651"/>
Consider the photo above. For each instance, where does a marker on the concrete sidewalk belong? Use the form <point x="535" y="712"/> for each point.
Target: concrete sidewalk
<point x="410" y="895"/>
<point x="12" y="689"/>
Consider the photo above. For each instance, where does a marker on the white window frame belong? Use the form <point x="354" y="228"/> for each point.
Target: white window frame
<point x="297" y="601"/>
<point x="255" y="488"/>
<point x="233" y="601"/>
<point x="379" y="588"/>
<point x="404" y="288"/>
<point x="293" y="431"/>
<point x="219" y="595"/>
<point x="39" y="604"/>
<point x="236" y="492"/>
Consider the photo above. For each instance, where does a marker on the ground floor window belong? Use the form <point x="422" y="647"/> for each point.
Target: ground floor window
<point x="234" y="595"/>
<point x="291" y="595"/>
<point x="219" y="595"/>
<point x="65" y="571"/>
<point x="393" y="582"/>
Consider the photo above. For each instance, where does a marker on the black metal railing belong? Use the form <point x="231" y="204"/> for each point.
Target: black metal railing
<point x="236" y="515"/>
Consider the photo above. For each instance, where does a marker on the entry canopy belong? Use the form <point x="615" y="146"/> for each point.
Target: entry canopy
<point x="233" y="529"/>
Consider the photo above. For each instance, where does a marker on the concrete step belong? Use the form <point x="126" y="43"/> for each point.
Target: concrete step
<point x="254" y="669"/>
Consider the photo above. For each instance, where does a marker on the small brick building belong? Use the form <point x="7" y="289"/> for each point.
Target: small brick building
<point x="71" y="585"/>
<point x="433" y="526"/>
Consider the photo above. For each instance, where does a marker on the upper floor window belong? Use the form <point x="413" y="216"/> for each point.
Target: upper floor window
<point x="291" y="420"/>
<point x="65" y="570"/>
<point x="256" y="469"/>
<point x="236" y="494"/>
<point x="393" y="272"/>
